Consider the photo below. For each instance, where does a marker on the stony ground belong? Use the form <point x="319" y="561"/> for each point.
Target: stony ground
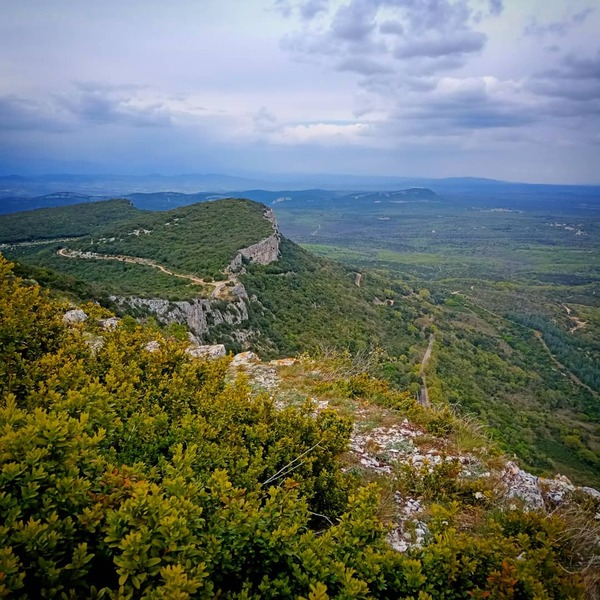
<point x="382" y="442"/>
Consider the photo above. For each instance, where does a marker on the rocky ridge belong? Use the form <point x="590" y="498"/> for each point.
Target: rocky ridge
<point x="263" y="252"/>
<point x="203" y="314"/>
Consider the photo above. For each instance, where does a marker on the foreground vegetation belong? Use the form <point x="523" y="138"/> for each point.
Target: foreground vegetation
<point x="129" y="473"/>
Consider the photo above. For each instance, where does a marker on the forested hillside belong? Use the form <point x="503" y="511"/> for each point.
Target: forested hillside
<point x="199" y="240"/>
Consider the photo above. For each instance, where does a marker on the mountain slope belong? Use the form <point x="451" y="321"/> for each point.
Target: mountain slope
<point x="131" y="469"/>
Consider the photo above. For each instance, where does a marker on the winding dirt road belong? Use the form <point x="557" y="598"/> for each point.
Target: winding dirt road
<point x="216" y="285"/>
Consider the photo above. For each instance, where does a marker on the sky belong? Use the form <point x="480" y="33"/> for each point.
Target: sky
<point x="507" y="89"/>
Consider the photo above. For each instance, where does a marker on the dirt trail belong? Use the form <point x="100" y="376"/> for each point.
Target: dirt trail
<point x="579" y="324"/>
<point x="216" y="285"/>
<point x="561" y="367"/>
<point x="423" y="392"/>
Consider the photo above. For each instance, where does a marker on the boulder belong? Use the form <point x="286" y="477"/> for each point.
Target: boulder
<point x="215" y="351"/>
<point x="244" y="358"/>
<point x="74" y="316"/>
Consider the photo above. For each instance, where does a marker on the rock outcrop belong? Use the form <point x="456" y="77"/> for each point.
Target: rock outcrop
<point x="214" y="351"/>
<point x="263" y="253"/>
<point x="74" y="316"/>
<point x="199" y="314"/>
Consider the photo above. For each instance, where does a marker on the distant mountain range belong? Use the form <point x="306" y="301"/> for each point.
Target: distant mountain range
<point x="159" y="192"/>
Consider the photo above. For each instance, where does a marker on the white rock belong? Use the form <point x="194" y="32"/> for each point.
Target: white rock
<point x="215" y="351"/>
<point x="110" y="323"/>
<point x="557" y="489"/>
<point x="152" y="346"/>
<point x="523" y="485"/>
<point x="244" y="358"/>
<point x="74" y="316"/>
<point x="591" y="492"/>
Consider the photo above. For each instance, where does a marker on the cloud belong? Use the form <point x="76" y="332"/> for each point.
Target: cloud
<point x="354" y="22"/>
<point x="119" y="105"/>
<point x="94" y="104"/>
<point x="306" y="10"/>
<point x="460" y="43"/>
<point x="363" y="65"/>
<point x="311" y="8"/>
<point x="387" y="36"/>
<point x="322" y="133"/>
<point x="265" y="121"/>
<point x="457" y="105"/>
<point x="24" y="114"/>
<point x="560" y="28"/>
<point x="267" y="127"/>
<point x="496" y="7"/>
<point x="574" y="77"/>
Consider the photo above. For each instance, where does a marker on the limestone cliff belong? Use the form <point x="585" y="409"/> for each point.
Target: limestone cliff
<point x="199" y="314"/>
<point x="263" y="253"/>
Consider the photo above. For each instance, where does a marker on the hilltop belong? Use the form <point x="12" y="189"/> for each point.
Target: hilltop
<point x="222" y="269"/>
<point x="131" y="467"/>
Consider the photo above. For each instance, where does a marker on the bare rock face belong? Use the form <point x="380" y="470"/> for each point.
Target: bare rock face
<point x="200" y="314"/>
<point x="74" y="316"/>
<point x="214" y="351"/>
<point x="262" y="253"/>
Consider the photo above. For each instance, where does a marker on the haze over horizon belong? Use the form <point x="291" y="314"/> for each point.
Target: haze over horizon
<point x="399" y="88"/>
